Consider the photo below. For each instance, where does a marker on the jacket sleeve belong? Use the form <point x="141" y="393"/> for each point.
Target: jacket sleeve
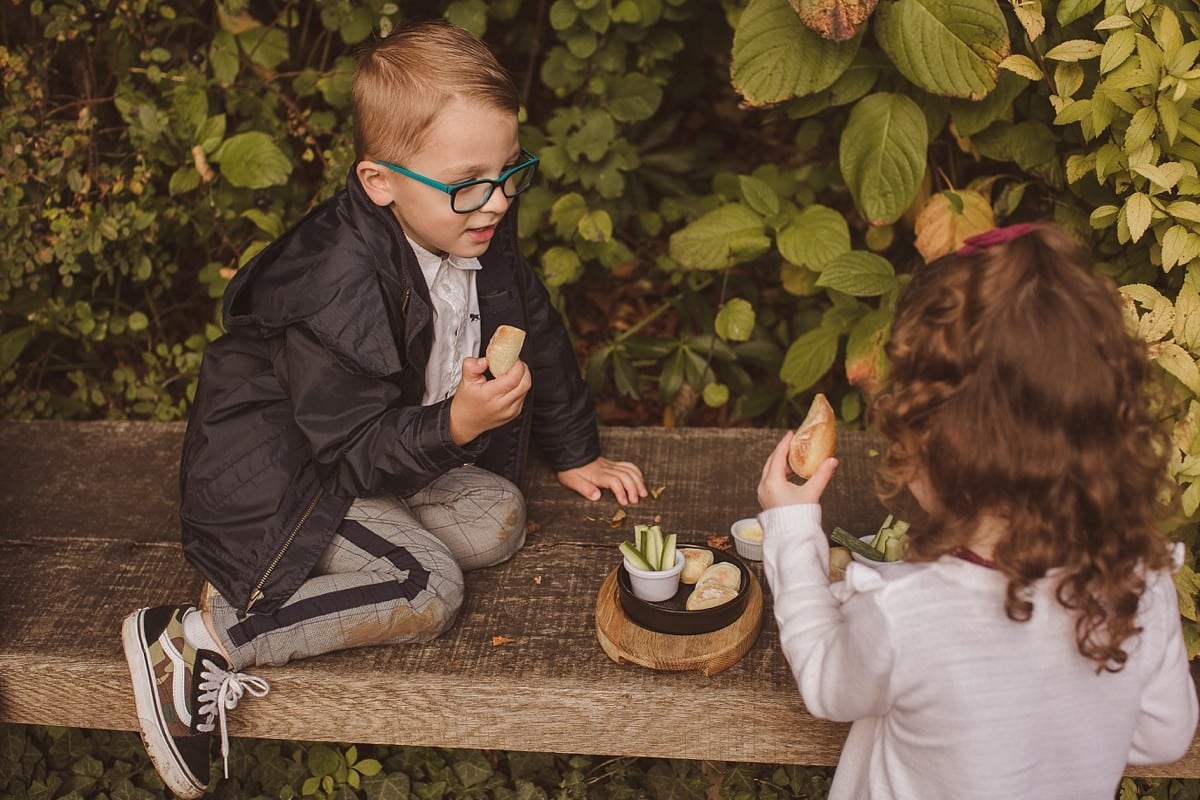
<point x="1167" y="717"/>
<point x="823" y="638"/>
<point x="362" y="438"/>
<point x="564" y="418"/>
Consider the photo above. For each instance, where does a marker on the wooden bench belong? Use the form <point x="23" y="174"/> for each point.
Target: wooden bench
<point x="88" y="532"/>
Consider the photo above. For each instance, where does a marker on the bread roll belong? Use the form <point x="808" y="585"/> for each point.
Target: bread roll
<point x="504" y="349"/>
<point x="815" y="440"/>
<point x="695" y="561"/>
<point x="709" y="596"/>
<point x="721" y="574"/>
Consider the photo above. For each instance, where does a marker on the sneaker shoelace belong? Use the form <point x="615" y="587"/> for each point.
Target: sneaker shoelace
<point x="220" y="691"/>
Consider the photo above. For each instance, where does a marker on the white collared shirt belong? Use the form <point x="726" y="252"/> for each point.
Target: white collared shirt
<point x="451" y="282"/>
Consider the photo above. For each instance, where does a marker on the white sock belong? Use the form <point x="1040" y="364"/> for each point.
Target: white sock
<point x="197" y="635"/>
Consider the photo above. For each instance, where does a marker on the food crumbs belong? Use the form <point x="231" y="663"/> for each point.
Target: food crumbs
<point x="719" y="542"/>
<point x="537" y="579"/>
<point x="618" y="518"/>
<point x="657" y="492"/>
<point x="501" y="640"/>
<point x="532" y="527"/>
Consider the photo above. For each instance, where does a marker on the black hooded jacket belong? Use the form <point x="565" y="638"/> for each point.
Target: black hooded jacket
<point x="313" y="396"/>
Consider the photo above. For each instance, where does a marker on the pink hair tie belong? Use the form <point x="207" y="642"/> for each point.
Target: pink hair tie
<point x="980" y="241"/>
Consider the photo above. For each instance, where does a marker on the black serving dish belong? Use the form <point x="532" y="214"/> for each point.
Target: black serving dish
<point x="672" y="616"/>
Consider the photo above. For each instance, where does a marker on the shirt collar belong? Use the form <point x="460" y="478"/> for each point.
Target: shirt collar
<point x="431" y="262"/>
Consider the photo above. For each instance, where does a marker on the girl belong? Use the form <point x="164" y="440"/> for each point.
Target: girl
<point x="1031" y="643"/>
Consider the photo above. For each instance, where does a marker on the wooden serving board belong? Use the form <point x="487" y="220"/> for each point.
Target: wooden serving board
<point x="626" y="642"/>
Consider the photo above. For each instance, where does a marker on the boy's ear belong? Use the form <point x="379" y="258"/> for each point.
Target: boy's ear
<point x="376" y="184"/>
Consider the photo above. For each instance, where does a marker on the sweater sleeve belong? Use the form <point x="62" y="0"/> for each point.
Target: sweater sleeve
<point x="839" y="651"/>
<point x="1167" y="720"/>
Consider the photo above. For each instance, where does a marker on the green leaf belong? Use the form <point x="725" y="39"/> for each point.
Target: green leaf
<point x="224" y="58"/>
<point x="759" y="195"/>
<point x="561" y="266"/>
<point x="268" y="47"/>
<point x="882" y="155"/>
<point x="596" y="226"/>
<point x="859" y="273"/>
<point x="323" y="760"/>
<point x="808" y="358"/>
<point x="947" y="47"/>
<point x="776" y="57"/>
<point x="633" y="97"/>
<point x="714" y="240"/>
<point x="735" y="321"/>
<point x="12" y="343"/>
<point x="715" y="395"/>
<point x="253" y="160"/>
<point x="1070" y="10"/>
<point x="815" y="237"/>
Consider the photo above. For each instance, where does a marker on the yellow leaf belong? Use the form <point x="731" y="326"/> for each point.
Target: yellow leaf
<point x="1137" y="212"/>
<point x="1029" y="14"/>
<point x="1186" y="330"/>
<point x="948" y="219"/>
<point x="1175" y="360"/>
<point x="1024" y="66"/>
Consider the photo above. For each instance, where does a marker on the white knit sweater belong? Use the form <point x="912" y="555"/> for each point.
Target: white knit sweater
<point x="950" y="698"/>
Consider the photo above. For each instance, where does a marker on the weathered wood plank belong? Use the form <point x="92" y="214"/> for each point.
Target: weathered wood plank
<point x="88" y="532"/>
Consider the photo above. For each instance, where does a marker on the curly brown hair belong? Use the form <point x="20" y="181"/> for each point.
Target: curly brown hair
<point x="1016" y="393"/>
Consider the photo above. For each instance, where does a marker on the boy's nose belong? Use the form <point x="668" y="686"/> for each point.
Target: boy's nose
<point x="498" y="203"/>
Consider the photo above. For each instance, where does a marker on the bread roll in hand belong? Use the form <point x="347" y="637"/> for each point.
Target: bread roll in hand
<point x="504" y="349"/>
<point x="815" y="440"/>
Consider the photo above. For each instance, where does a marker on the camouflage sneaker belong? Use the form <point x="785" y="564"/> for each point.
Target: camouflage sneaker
<point x="182" y="695"/>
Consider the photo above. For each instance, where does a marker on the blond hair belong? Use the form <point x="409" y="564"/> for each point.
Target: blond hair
<point x="402" y="81"/>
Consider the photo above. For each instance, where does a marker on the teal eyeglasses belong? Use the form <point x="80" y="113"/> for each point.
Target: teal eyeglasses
<point x="473" y="195"/>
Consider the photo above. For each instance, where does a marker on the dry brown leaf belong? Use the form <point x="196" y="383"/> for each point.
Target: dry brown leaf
<point x="837" y="20"/>
<point x="948" y="219"/>
<point x="497" y="641"/>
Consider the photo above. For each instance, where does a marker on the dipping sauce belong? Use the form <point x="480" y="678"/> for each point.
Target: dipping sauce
<point x="751" y="533"/>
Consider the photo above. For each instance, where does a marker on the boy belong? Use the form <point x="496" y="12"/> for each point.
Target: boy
<point x="347" y="457"/>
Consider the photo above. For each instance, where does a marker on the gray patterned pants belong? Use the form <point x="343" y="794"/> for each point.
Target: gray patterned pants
<point x="392" y="575"/>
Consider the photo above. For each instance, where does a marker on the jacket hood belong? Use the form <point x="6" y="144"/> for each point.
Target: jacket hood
<point x="341" y="250"/>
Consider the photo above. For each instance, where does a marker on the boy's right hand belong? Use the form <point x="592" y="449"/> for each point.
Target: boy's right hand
<point x="479" y="404"/>
<point x="775" y="488"/>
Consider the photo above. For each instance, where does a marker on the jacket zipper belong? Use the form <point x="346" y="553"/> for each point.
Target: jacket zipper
<point x="257" y="593"/>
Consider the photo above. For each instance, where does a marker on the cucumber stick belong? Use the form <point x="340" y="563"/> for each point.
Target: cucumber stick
<point x="650" y="549"/>
<point x="846" y="539"/>
<point x="634" y="556"/>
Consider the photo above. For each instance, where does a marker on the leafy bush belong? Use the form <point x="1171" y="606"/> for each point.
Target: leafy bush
<point x="72" y="764"/>
<point x="919" y="123"/>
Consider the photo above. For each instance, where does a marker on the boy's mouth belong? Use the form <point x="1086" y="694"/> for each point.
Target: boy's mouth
<point x="481" y="235"/>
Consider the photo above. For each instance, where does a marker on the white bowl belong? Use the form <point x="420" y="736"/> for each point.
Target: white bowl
<point x="748" y="546"/>
<point x="654" y="586"/>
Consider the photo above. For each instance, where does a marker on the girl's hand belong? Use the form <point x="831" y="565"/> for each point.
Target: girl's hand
<point x="480" y="405"/>
<point x="775" y="488"/>
<point x="623" y="478"/>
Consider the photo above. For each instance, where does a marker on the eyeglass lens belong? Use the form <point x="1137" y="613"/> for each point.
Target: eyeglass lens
<point x="475" y="195"/>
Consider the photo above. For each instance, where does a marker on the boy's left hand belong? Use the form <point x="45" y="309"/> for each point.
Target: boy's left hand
<point x="775" y="488"/>
<point x="623" y="478"/>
